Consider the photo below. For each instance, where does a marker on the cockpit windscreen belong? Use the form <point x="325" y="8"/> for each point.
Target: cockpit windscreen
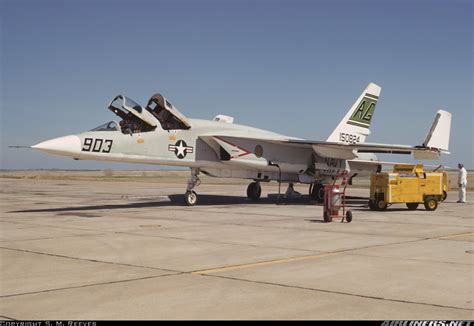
<point x="109" y="126"/>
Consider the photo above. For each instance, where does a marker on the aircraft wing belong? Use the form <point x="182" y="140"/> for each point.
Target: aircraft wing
<point x="339" y="150"/>
<point x="348" y="151"/>
<point x="436" y="142"/>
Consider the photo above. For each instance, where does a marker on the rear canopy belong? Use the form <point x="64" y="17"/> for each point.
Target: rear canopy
<point x="168" y="116"/>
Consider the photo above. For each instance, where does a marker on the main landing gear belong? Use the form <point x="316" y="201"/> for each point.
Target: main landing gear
<point x="190" y="197"/>
<point x="316" y="192"/>
<point x="254" y="191"/>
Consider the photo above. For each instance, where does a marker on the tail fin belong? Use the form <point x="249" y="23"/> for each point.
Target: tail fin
<point x="438" y="136"/>
<point x="354" y="128"/>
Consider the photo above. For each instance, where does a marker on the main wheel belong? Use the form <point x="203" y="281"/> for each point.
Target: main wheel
<point x="431" y="203"/>
<point x="317" y="192"/>
<point x="412" y="206"/>
<point x="348" y="216"/>
<point x="254" y="191"/>
<point x="381" y="205"/>
<point x="327" y="217"/>
<point x="190" y="197"/>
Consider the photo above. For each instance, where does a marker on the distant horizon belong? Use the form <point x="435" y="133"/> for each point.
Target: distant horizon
<point x="174" y="168"/>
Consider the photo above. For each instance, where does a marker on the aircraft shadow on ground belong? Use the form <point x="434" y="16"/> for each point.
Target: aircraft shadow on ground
<point x="178" y="201"/>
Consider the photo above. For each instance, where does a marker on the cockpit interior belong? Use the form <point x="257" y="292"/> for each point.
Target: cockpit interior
<point x="130" y="112"/>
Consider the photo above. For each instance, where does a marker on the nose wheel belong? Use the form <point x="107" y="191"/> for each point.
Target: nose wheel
<point x="190" y="197"/>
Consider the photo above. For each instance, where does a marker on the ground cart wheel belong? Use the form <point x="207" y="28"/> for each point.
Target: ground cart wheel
<point x="381" y="205"/>
<point x="348" y="216"/>
<point x="372" y="205"/>
<point x="327" y="217"/>
<point x="412" y="206"/>
<point x="431" y="203"/>
<point x="445" y="195"/>
<point x="190" y="197"/>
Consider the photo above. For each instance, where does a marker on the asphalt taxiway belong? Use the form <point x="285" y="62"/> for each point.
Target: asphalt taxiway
<point x="75" y="249"/>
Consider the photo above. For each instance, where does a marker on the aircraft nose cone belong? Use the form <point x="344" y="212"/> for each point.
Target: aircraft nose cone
<point x="67" y="146"/>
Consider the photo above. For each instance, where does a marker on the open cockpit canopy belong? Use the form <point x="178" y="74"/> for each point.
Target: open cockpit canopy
<point x="125" y="107"/>
<point x="168" y="116"/>
<point x="134" y="117"/>
<point x="121" y="102"/>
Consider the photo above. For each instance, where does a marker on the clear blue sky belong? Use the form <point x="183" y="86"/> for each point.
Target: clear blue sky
<point x="292" y="67"/>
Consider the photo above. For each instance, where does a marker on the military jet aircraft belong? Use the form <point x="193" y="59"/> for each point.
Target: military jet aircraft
<point x="160" y="134"/>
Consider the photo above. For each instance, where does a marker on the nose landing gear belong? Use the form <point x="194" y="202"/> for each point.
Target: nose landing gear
<point x="190" y="197"/>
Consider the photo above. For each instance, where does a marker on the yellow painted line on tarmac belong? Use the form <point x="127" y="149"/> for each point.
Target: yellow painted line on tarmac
<point x="264" y="263"/>
<point x="450" y="236"/>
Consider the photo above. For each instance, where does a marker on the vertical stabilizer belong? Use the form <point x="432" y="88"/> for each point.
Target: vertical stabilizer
<point x="438" y="136"/>
<point x="354" y="127"/>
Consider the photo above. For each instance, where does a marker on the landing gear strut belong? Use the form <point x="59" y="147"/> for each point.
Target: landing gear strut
<point x="190" y="197"/>
<point x="254" y="191"/>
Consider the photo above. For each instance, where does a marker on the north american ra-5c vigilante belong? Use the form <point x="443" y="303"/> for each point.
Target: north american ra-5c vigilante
<point x="160" y="134"/>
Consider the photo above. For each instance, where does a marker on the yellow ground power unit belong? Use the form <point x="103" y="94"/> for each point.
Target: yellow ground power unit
<point x="408" y="184"/>
<point x="446" y="185"/>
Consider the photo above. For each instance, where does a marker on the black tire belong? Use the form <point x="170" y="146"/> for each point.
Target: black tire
<point x="445" y="195"/>
<point x="348" y="216"/>
<point x="327" y="217"/>
<point x="254" y="191"/>
<point x="431" y="203"/>
<point x="381" y="205"/>
<point x="372" y="205"/>
<point x="190" y="198"/>
<point x="317" y="192"/>
<point x="412" y="206"/>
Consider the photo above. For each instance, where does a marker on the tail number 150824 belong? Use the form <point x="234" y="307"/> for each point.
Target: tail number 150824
<point x="349" y="138"/>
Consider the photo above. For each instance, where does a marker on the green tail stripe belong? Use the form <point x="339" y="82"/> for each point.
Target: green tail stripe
<point x="357" y="124"/>
<point x="371" y="96"/>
